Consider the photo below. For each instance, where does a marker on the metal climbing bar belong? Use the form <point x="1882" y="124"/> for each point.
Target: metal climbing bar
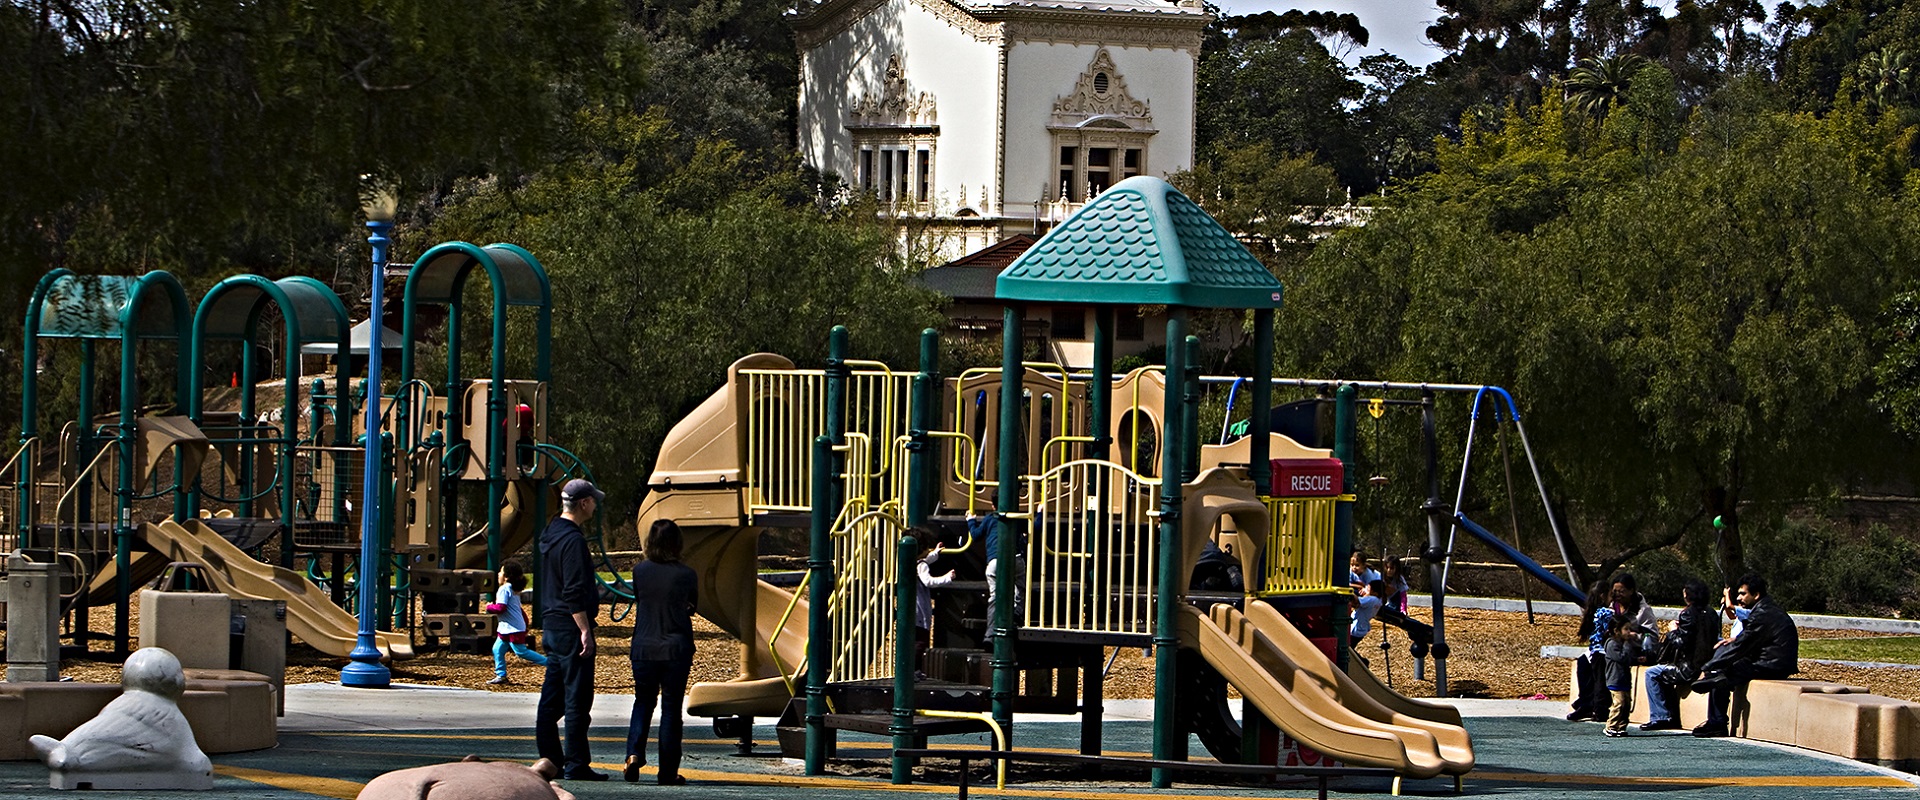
<point x="1091" y="549"/>
<point x="1299" y="552"/>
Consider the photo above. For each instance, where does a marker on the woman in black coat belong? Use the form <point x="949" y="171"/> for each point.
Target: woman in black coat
<point x="664" y="594"/>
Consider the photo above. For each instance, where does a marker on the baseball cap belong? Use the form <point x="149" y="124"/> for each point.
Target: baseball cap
<point x="581" y="487"/>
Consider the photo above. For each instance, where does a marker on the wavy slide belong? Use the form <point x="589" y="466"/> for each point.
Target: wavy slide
<point x="1365" y="696"/>
<point x="1299" y="701"/>
<point x="310" y="615"/>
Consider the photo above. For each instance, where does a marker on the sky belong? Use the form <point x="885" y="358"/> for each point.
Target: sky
<point x="1394" y="26"/>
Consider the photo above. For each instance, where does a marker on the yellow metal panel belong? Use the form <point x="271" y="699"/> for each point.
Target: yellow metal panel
<point x="1299" y="550"/>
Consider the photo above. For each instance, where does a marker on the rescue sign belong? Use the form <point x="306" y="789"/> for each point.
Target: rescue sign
<point x="1308" y="477"/>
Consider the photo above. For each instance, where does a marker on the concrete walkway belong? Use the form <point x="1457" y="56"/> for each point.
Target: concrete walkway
<point x="334" y="739"/>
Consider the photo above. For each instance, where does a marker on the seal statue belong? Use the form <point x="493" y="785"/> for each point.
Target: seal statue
<point x="139" y="741"/>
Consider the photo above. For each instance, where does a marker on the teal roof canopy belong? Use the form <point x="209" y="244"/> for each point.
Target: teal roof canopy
<point x="1141" y="242"/>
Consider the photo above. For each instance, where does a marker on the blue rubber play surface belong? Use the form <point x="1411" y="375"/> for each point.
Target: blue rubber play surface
<point x="1518" y="757"/>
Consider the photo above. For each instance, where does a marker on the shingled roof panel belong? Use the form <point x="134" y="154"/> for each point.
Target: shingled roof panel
<point x="1140" y="242"/>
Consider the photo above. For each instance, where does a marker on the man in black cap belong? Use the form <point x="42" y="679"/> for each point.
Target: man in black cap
<point x="569" y="597"/>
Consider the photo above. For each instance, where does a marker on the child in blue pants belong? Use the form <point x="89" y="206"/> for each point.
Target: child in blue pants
<point x="511" y="632"/>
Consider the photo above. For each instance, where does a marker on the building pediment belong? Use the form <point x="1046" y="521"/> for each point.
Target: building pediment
<point x="1100" y="99"/>
<point x="896" y="105"/>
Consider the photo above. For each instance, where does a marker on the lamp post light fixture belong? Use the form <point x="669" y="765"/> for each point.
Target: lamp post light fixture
<point x="379" y="203"/>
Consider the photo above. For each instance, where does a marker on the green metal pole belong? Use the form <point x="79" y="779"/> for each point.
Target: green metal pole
<point x="123" y="527"/>
<point x="247" y="379"/>
<point x="1100" y="390"/>
<point x="1344" y="402"/>
<point x="497" y="431"/>
<point x="1261" y="420"/>
<point x="819" y="590"/>
<point x="456" y="432"/>
<point x="906" y="583"/>
<point x="1190" y="421"/>
<point x="926" y="393"/>
<point x="827" y="500"/>
<point x="1007" y="499"/>
<point x="289" y="420"/>
<point x="1167" y="746"/>
<point x="1100" y="429"/>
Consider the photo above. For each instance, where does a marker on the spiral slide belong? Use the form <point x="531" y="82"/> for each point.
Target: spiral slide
<point x="1300" y="701"/>
<point x="310" y="615"/>
<point x="516" y="519"/>
<point x="697" y="482"/>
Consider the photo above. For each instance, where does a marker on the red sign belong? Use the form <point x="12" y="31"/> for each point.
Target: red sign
<point x="1308" y="477"/>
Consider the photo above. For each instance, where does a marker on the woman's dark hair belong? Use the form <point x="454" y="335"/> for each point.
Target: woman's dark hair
<point x="1378" y="589"/>
<point x="664" y="542"/>
<point x="1695" y="592"/>
<point x="1627" y="599"/>
<point x="1626" y="579"/>
<point x="1399" y="567"/>
<point x="516" y="575"/>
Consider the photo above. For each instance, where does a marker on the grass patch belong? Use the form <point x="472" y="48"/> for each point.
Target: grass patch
<point x="1889" y="649"/>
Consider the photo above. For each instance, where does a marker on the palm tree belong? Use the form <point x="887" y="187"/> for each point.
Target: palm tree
<point x="1883" y="78"/>
<point x="1599" y="84"/>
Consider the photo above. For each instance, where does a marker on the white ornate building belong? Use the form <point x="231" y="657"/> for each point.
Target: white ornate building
<point x="994" y="117"/>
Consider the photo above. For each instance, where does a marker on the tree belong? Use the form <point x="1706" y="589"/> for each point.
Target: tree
<point x="665" y="273"/>
<point x="1599" y="84"/>
<point x="1688" y="343"/>
<point x="1281" y="87"/>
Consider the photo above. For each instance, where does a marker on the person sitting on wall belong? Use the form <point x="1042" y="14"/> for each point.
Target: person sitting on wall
<point x="1365" y="606"/>
<point x="1767" y="648"/>
<point x="1688" y="646"/>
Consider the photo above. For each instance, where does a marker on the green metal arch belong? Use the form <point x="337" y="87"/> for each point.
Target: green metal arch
<point x="439" y="276"/>
<point x="231" y="310"/>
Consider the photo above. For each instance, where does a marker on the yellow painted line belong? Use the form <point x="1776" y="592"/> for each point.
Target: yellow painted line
<point x="1818" y="781"/>
<point x="858" y="746"/>
<point x="325" y="787"/>
<point x="850" y="784"/>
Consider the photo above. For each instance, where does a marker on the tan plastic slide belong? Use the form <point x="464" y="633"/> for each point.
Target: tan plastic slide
<point x="1454" y="743"/>
<point x="1300" y="704"/>
<point x="769" y="621"/>
<point x="310" y="615"/>
<point x="696" y="482"/>
<point x="1386" y="696"/>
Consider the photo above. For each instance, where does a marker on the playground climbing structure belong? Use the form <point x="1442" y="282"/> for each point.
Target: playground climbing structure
<point x="1105" y="502"/>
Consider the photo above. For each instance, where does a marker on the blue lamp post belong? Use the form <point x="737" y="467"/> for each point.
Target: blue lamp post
<point x="366" y="671"/>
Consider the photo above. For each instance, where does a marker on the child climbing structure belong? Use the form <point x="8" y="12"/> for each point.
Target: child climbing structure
<point x="1104" y="499"/>
<point x="115" y="498"/>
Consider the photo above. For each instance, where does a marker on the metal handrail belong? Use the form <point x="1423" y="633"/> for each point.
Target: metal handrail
<point x="81" y="574"/>
<point x="23" y="506"/>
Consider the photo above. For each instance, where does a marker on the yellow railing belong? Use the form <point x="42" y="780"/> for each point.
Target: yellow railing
<point x="789" y="672"/>
<point x="1090" y="549"/>
<point x="16" y="498"/>
<point x="1299" y="552"/>
<point x="860" y="608"/>
<point x="785" y="412"/>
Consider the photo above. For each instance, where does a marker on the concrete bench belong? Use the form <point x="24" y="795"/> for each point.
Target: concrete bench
<point x="1864" y="727"/>
<point x="1771" y="709"/>
<point x="228" y="715"/>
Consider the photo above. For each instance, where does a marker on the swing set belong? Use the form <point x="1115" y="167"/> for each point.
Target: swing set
<point x="1445" y="521"/>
